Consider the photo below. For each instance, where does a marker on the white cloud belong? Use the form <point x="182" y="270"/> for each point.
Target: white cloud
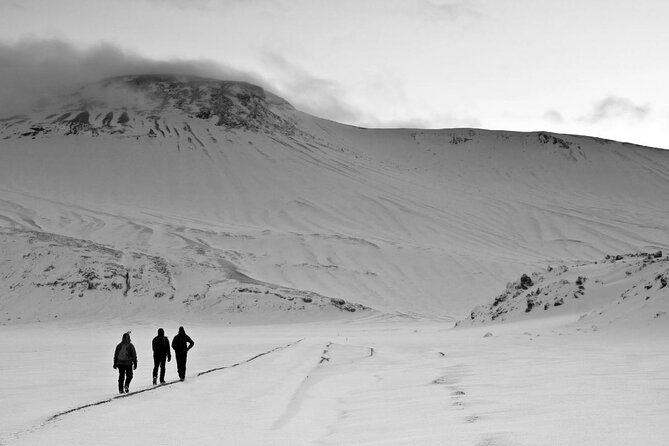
<point x="307" y="92"/>
<point x="614" y="107"/>
<point x="554" y="116"/>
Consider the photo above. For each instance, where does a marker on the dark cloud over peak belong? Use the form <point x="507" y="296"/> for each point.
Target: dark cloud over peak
<point x="34" y="70"/>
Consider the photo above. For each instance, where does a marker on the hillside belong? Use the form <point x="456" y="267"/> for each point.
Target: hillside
<point x="202" y="188"/>
<point x="620" y="291"/>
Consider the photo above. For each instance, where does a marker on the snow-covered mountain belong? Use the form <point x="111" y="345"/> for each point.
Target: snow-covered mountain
<point x="174" y="195"/>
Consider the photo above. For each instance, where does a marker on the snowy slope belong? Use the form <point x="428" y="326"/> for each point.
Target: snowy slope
<point x="621" y="291"/>
<point x="229" y="185"/>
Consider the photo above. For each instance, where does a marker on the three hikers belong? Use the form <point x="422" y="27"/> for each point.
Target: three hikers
<point x="125" y="357"/>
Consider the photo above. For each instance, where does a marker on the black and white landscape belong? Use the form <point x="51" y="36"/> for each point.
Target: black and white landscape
<point x="347" y="254"/>
<point x="389" y="222"/>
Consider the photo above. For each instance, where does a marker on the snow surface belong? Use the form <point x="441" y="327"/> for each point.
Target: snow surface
<point x="372" y="381"/>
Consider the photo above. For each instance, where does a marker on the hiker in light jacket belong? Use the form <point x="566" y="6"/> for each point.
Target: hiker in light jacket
<point x="161" y="351"/>
<point x="181" y="343"/>
<point x="125" y="360"/>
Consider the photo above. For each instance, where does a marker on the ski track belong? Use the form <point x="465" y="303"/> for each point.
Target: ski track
<point x="59" y="415"/>
<point x="310" y="380"/>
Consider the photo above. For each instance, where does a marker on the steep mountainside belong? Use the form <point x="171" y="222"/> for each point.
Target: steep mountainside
<point x="228" y="186"/>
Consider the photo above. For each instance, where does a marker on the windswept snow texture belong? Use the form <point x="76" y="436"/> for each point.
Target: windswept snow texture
<point x="202" y="187"/>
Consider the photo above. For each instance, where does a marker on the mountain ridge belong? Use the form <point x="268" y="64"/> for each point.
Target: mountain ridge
<point x="203" y="97"/>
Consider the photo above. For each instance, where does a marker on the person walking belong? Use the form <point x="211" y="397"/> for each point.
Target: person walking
<point x="125" y="360"/>
<point x="161" y="351"/>
<point x="181" y="343"/>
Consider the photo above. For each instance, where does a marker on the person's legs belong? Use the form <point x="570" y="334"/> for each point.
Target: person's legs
<point x="121" y="378"/>
<point x="156" y="364"/>
<point x="181" y="364"/>
<point x="162" y="371"/>
<point x="128" y="377"/>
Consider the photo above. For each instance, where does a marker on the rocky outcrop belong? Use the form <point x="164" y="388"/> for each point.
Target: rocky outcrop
<point x="584" y="288"/>
<point x="50" y="273"/>
<point x="70" y="267"/>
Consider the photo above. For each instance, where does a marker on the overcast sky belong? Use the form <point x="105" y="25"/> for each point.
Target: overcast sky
<point x="594" y="67"/>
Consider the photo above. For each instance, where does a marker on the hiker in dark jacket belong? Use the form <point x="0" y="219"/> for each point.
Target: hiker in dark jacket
<point x="161" y="351"/>
<point x="181" y="343"/>
<point x="125" y="360"/>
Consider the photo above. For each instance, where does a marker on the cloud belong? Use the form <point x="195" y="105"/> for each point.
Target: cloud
<point x="34" y="70"/>
<point x="309" y="93"/>
<point x="614" y="107"/>
<point x="332" y="100"/>
<point x="554" y="116"/>
<point x="440" y="121"/>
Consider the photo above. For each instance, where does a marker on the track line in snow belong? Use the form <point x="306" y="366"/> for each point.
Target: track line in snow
<point x="327" y="359"/>
<point x="283" y="347"/>
<point x="148" y="389"/>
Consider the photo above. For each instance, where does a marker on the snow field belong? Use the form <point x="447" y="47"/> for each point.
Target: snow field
<point x="357" y="383"/>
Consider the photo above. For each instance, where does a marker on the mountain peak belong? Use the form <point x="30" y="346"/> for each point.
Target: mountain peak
<point x="194" y="94"/>
<point x="126" y="104"/>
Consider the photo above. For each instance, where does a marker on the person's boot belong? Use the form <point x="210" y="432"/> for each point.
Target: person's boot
<point x="120" y="388"/>
<point x="154" y="380"/>
<point x="127" y="389"/>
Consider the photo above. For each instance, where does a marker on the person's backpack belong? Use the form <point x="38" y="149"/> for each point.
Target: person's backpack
<point x="124" y="353"/>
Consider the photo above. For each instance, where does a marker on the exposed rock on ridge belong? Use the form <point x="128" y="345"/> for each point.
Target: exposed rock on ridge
<point x="629" y="285"/>
<point x="128" y="104"/>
